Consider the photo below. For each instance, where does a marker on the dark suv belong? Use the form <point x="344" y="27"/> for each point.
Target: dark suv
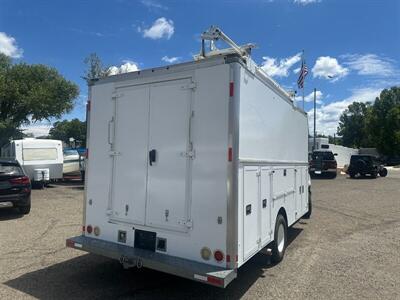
<point x="323" y="163"/>
<point x="15" y="186"/>
<point x="365" y="165"/>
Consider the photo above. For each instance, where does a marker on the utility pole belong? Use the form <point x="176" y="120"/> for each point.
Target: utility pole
<point x="315" y="114"/>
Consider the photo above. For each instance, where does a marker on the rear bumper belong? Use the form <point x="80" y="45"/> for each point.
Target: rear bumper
<point x="213" y="275"/>
<point x="16" y="200"/>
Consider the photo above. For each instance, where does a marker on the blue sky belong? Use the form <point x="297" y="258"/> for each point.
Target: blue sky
<point x="352" y="47"/>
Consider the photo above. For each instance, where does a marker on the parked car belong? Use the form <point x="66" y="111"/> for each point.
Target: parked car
<point x="363" y="164"/>
<point x="323" y="162"/>
<point x="15" y="186"/>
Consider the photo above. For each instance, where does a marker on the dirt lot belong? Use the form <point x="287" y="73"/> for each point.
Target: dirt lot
<point x="349" y="249"/>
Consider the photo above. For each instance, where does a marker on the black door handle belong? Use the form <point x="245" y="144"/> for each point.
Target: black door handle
<point x="152" y="156"/>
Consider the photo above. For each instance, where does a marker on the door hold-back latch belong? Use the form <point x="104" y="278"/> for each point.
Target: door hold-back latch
<point x="187" y="223"/>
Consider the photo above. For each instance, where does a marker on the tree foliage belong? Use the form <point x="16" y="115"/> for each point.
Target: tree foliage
<point x="353" y="125"/>
<point x="31" y="93"/>
<point x="373" y="125"/>
<point x="384" y="122"/>
<point x="64" y="130"/>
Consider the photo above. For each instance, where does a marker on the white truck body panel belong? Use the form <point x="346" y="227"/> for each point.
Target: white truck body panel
<point x="36" y="154"/>
<point x="230" y="153"/>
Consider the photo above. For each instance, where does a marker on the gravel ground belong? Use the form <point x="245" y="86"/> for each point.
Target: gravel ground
<point x="349" y="249"/>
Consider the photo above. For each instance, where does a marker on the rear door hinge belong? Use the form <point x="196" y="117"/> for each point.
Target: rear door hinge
<point x="114" y="153"/>
<point x="190" y="154"/>
<point x="189" y="86"/>
<point x="116" y="95"/>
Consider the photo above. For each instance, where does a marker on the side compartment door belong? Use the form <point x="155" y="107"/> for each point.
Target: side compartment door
<point x="130" y="154"/>
<point x="299" y="192"/>
<point x="304" y="182"/>
<point x="266" y="205"/>
<point x="251" y="205"/>
<point x="170" y="154"/>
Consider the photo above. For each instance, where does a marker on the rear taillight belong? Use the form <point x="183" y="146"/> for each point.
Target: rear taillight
<point x="218" y="255"/>
<point x="20" y="180"/>
<point x="89" y="229"/>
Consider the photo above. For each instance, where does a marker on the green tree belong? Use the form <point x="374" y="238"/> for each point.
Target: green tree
<point x="353" y="125"/>
<point x="31" y="93"/>
<point x="64" y="130"/>
<point x="384" y="122"/>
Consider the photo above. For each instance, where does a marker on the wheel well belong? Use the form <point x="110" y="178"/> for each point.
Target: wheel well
<point x="282" y="212"/>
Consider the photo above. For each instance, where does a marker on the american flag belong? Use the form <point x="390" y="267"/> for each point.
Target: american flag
<point x="303" y="74"/>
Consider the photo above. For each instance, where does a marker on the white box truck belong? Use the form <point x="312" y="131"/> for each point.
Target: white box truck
<point x="194" y="168"/>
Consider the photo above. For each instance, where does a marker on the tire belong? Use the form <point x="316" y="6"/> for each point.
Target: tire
<point x="24" y="209"/>
<point x="280" y="239"/>
<point x="383" y="172"/>
<point x="308" y="214"/>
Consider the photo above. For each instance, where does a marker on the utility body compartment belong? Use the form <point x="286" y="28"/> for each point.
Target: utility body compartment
<point x="189" y="165"/>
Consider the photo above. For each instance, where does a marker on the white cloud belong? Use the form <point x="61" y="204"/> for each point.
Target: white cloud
<point x="37" y="129"/>
<point x="161" y="28"/>
<point x="170" y="60"/>
<point x="126" y="67"/>
<point x="306" y="2"/>
<point x="328" y="68"/>
<point x="297" y="70"/>
<point x="153" y="5"/>
<point x="328" y="115"/>
<point x="310" y="97"/>
<point x="370" y="64"/>
<point x="279" y="68"/>
<point x="9" y="47"/>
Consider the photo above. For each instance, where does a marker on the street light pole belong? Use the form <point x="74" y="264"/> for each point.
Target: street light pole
<point x="315" y="114"/>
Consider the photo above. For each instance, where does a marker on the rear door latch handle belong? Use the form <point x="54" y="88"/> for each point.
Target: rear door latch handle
<point x="152" y="156"/>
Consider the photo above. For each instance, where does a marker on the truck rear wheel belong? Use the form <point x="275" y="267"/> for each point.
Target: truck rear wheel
<point x="280" y="239"/>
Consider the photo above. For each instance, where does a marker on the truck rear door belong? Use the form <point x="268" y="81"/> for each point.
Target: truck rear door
<point x="151" y="174"/>
<point x="169" y="154"/>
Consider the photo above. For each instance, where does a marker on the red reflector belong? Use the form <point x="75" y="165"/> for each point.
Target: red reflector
<point x="87" y="153"/>
<point x="20" y="180"/>
<point x="89" y="229"/>
<point x="228" y="258"/>
<point x="218" y="255"/>
<point x="83" y="228"/>
<point x="230" y="154"/>
<point x="215" y="281"/>
<point x="88" y="105"/>
<point x="231" y="86"/>
<point x="70" y="243"/>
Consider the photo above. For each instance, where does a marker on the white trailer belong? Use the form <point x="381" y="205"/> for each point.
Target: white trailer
<point x="36" y="154"/>
<point x="194" y="168"/>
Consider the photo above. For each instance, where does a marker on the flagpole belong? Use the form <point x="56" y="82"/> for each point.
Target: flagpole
<point x="302" y="62"/>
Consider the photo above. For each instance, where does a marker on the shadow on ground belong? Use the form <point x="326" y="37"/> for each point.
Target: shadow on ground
<point x="73" y="184"/>
<point x="90" y="276"/>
